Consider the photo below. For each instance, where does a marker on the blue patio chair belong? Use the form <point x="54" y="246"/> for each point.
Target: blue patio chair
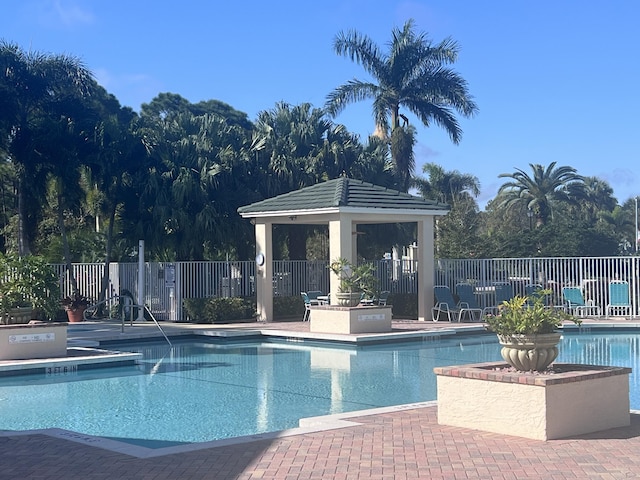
<point x="445" y="303"/>
<point x="317" y="297"/>
<point x="576" y="304"/>
<point x="503" y="293"/>
<point x="533" y="290"/>
<point x="466" y="295"/>
<point x="618" y="298"/>
<point x="382" y="298"/>
<point x="307" y="305"/>
<point x="314" y="294"/>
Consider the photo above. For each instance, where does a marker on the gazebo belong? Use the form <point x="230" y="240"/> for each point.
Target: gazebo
<point x="343" y="204"/>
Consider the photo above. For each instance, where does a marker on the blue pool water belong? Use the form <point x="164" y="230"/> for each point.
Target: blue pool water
<point x="202" y="391"/>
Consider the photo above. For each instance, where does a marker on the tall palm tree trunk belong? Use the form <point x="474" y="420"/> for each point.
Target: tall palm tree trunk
<point x="104" y="284"/>
<point x="23" y="242"/>
<point x="65" y="245"/>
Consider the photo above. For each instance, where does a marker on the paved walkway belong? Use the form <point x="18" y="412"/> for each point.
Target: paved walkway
<point x="402" y="443"/>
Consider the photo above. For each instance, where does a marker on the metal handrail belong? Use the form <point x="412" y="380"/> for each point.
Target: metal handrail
<point x="144" y="307"/>
<point x="131" y="306"/>
<point x="94" y="307"/>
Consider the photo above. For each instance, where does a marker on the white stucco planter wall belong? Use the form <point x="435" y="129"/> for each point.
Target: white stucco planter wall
<point x="346" y="320"/>
<point x="36" y="340"/>
<point x="578" y="399"/>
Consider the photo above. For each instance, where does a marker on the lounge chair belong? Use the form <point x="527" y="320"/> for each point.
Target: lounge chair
<point x="576" y="304"/>
<point x="382" y="298"/>
<point x="307" y="305"/>
<point x="445" y="303"/>
<point x="534" y="290"/>
<point x="314" y="296"/>
<point x="618" y="298"/>
<point x="503" y="293"/>
<point x="466" y="295"/>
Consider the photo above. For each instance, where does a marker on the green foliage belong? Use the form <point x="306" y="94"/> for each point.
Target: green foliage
<point x="527" y="315"/>
<point x="195" y="309"/>
<point x="75" y="302"/>
<point x="220" y="310"/>
<point x="512" y="234"/>
<point x="284" y="307"/>
<point x="177" y="174"/>
<point x="28" y="280"/>
<point x="540" y="192"/>
<point x="405" y="305"/>
<point x="354" y="279"/>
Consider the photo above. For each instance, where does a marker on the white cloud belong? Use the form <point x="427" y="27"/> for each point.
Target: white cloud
<point x="63" y="13"/>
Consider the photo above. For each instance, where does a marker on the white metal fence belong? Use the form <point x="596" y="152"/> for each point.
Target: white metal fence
<point x="168" y="284"/>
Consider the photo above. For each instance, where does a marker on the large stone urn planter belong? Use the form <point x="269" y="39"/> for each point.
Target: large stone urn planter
<point x="529" y="353"/>
<point x="348" y="299"/>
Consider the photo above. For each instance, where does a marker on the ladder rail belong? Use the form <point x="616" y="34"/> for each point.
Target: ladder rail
<point x="132" y="306"/>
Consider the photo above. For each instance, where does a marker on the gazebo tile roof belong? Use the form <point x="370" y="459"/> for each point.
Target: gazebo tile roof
<point x="342" y="192"/>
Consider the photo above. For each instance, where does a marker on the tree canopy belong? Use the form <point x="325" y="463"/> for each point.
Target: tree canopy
<point x="83" y="179"/>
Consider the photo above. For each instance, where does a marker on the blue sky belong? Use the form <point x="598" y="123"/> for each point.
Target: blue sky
<point x="554" y="80"/>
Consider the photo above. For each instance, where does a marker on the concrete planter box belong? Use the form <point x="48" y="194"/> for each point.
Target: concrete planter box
<point x="575" y="400"/>
<point x="33" y="340"/>
<point x="346" y="320"/>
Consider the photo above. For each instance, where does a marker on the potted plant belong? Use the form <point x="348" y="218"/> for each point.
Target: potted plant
<point x="354" y="281"/>
<point x="75" y="305"/>
<point x="28" y="289"/>
<point x="527" y="329"/>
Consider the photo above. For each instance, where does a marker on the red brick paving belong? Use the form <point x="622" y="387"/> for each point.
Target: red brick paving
<point x="406" y="444"/>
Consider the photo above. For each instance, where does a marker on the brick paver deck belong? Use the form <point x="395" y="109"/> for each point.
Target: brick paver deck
<point x="404" y="444"/>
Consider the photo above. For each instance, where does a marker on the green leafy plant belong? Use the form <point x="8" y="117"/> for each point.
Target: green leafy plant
<point x="221" y="310"/>
<point x="527" y="315"/>
<point x="354" y="279"/>
<point x="28" y="281"/>
<point x="74" y="302"/>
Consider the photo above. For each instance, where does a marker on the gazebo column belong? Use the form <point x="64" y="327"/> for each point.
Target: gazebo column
<point x="426" y="266"/>
<point x="341" y="245"/>
<point x="264" y="272"/>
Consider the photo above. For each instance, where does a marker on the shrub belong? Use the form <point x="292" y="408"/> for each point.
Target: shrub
<point x="527" y="315"/>
<point x="28" y="280"/>
<point x="226" y="310"/>
<point x="405" y="305"/>
<point x="284" y="307"/>
<point x="220" y="310"/>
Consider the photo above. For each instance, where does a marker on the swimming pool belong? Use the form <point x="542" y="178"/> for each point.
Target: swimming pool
<point x="200" y="390"/>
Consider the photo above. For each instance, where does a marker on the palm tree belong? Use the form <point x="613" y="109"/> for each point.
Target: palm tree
<point x="447" y="187"/>
<point x="36" y="90"/>
<point x="293" y="137"/>
<point x="190" y="189"/>
<point x="414" y="75"/>
<point x="538" y="193"/>
<point x="456" y="231"/>
<point x="596" y="197"/>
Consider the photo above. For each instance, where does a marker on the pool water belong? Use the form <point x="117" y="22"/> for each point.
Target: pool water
<point x="200" y="391"/>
